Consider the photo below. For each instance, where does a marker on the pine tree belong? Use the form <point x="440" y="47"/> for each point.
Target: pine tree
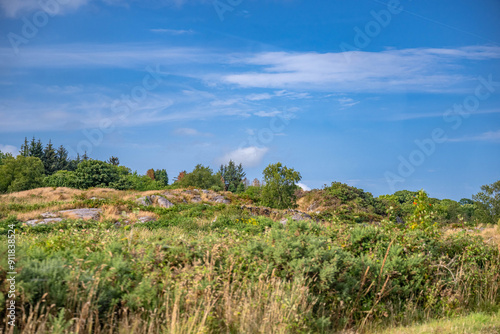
<point x="85" y="157"/>
<point x="62" y="162"/>
<point x="25" y="148"/>
<point x="233" y="175"/>
<point x="49" y="159"/>
<point x="73" y="164"/>
<point x="36" y="149"/>
<point x="113" y="161"/>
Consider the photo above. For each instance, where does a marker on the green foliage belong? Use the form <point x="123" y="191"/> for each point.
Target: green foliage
<point x="348" y="273"/>
<point x="201" y="177"/>
<point x="21" y="173"/>
<point x="62" y="178"/>
<point x="279" y="190"/>
<point x="62" y="162"/>
<point x="232" y="175"/>
<point x="488" y="203"/>
<point x="4" y="156"/>
<point x="161" y="176"/>
<point x="95" y="173"/>
<point x="423" y="217"/>
<point x="49" y="159"/>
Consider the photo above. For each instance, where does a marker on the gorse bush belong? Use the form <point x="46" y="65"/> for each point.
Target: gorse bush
<point x="216" y="269"/>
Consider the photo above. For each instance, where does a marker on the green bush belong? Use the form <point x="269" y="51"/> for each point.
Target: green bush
<point x="61" y="178"/>
<point x="20" y="173"/>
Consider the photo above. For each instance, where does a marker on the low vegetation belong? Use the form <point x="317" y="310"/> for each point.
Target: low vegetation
<point x="345" y="262"/>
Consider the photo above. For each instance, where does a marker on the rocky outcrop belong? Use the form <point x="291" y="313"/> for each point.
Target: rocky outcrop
<point x="85" y="214"/>
<point x="161" y="201"/>
<point x="34" y="222"/>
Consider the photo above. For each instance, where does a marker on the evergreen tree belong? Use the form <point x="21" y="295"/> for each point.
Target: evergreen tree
<point x="36" y="149"/>
<point x="62" y="162"/>
<point x="73" y="164"/>
<point x="233" y="175"/>
<point x="161" y="176"/>
<point x="113" y="161"/>
<point x="25" y="148"/>
<point x="49" y="159"/>
<point x="85" y="157"/>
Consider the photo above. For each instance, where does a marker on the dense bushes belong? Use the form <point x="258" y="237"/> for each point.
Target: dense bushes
<point x="20" y="173"/>
<point x="329" y="277"/>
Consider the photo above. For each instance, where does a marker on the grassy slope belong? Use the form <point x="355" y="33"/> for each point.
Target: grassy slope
<point x="208" y="267"/>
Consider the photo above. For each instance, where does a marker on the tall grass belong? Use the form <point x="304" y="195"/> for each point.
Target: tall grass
<point x="235" y="274"/>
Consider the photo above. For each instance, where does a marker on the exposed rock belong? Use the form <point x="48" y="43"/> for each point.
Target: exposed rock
<point x="284" y="221"/>
<point x="34" y="222"/>
<point x="85" y="214"/>
<point x="146" y="219"/>
<point x="220" y="199"/>
<point x="301" y="216"/>
<point x="163" y="202"/>
<point x="206" y="192"/>
<point x="49" y="215"/>
<point x="196" y="199"/>
<point x="145" y="200"/>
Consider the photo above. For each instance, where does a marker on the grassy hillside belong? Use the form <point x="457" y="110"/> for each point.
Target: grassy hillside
<point x="219" y="263"/>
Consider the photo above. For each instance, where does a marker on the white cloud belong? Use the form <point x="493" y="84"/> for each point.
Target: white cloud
<point x="347" y="102"/>
<point x="174" y="32"/>
<point x="490" y="136"/>
<point x="407" y="69"/>
<point x="15" y="8"/>
<point x="190" y="132"/>
<point x="258" y="97"/>
<point x="303" y="186"/>
<point x="249" y="156"/>
<point x="267" y="113"/>
<point x="9" y="149"/>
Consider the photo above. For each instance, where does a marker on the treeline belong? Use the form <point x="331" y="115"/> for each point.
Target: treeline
<point x="37" y="165"/>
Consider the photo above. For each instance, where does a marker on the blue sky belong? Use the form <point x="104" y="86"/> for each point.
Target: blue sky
<point x="382" y="95"/>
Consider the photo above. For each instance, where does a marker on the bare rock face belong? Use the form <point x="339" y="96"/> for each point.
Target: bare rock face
<point x="85" y="214"/>
<point x="145" y="200"/>
<point x="146" y="219"/>
<point x="222" y="200"/>
<point x="162" y="201"/>
<point x="35" y="222"/>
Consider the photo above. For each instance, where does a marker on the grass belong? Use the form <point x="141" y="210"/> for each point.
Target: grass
<point x="480" y="323"/>
<point x="215" y="268"/>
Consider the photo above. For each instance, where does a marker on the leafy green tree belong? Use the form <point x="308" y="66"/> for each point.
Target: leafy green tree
<point x="62" y="162"/>
<point x="61" y="178"/>
<point x="21" y="173"/>
<point x="232" y="175"/>
<point x="201" y="177"/>
<point x="4" y="156"/>
<point x="161" y="176"/>
<point x="95" y="173"/>
<point x="49" y="159"/>
<point x="280" y="185"/>
<point x="488" y="203"/>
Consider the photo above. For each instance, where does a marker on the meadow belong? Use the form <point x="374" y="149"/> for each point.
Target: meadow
<point x="216" y="268"/>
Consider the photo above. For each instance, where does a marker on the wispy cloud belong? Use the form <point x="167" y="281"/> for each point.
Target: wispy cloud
<point x="411" y="116"/>
<point x="15" y="8"/>
<point x="9" y="149"/>
<point x="489" y="136"/>
<point x="191" y="132"/>
<point x="174" y="32"/>
<point x="249" y="156"/>
<point x="347" y="102"/>
<point x="431" y="70"/>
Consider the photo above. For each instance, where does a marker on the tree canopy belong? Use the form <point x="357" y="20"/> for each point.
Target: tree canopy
<point x="280" y="185"/>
